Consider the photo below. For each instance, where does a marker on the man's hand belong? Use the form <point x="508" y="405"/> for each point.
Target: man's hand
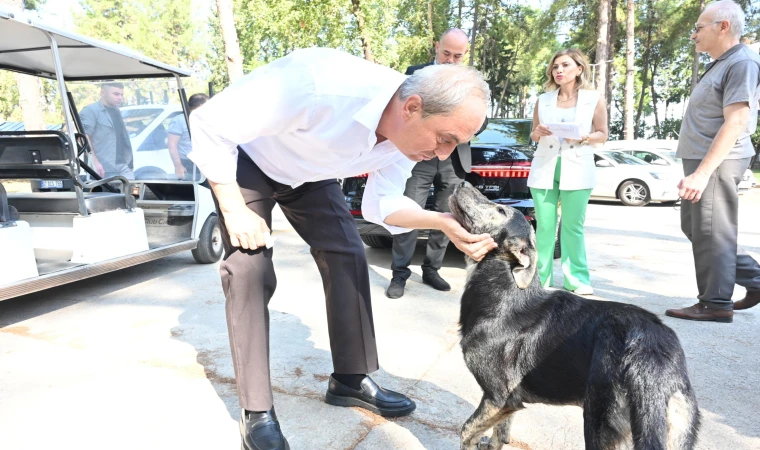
<point x="474" y="246"/>
<point x="691" y="187"/>
<point x="180" y="171"/>
<point x="246" y="228"/>
<point x="99" y="168"/>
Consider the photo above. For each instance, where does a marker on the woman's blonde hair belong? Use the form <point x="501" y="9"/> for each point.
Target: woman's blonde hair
<point x="583" y="80"/>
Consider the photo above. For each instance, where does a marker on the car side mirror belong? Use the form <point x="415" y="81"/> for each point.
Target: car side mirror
<point x="603" y="163"/>
<point x="660" y="162"/>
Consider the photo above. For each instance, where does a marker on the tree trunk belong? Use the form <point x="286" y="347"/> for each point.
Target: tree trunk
<point x="602" y="45"/>
<point x="476" y="7"/>
<point x="431" y="31"/>
<point x="645" y="71"/>
<point x="629" y="72"/>
<point x="611" y="37"/>
<point x="459" y="17"/>
<point x="30" y="97"/>
<point x="654" y="101"/>
<point x="695" y="63"/>
<point x="232" y="55"/>
<point x="362" y="29"/>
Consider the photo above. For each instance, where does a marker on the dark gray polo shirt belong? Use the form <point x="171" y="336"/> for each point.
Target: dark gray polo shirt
<point x="110" y="140"/>
<point x="732" y="78"/>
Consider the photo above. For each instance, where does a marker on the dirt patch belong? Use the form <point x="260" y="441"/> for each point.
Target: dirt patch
<point x="17" y="186"/>
<point x="298" y="372"/>
<point x="18" y="331"/>
<point x="321" y="378"/>
<point x="206" y="359"/>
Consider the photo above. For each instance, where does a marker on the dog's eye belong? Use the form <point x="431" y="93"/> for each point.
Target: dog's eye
<point x="502" y="211"/>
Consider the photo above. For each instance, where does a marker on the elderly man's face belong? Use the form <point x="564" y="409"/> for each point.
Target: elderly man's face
<point x="451" y="49"/>
<point x="706" y="32"/>
<point x="438" y="135"/>
<point x="112" y="96"/>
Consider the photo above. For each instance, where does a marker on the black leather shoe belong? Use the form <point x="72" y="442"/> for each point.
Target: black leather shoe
<point x="261" y="431"/>
<point x="434" y="280"/>
<point x="396" y="289"/>
<point x="371" y="397"/>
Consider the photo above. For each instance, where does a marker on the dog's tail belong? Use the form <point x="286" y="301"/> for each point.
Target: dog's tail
<point x="664" y="411"/>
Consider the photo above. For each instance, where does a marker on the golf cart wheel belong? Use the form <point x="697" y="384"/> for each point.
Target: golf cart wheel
<point x="634" y="193"/>
<point x="210" y="247"/>
<point x="377" y="241"/>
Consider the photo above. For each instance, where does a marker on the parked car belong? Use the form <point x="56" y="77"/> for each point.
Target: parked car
<point x="664" y="154"/>
<point x="634" y="181"/>
<point x="147" y="126"/>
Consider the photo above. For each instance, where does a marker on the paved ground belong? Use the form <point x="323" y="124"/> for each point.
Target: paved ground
<point x="139" y="359"/>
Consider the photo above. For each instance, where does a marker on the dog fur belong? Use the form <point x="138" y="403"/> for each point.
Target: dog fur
<point x="527" y="344"/>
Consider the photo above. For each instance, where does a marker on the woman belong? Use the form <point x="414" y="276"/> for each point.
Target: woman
<point x="563" y="169"/>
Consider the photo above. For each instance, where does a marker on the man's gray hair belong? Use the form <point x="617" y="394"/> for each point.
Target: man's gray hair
<point x="729" y="11"/>
<point x="444" y="87"/>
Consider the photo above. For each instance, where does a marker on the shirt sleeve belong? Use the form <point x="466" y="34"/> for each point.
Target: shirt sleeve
<point x="275" y="99"/>
<point x="741" y="83"/>
<point x="89" y="118"/>
<point x="175" y="126"/>
<point x="384" y="194"/>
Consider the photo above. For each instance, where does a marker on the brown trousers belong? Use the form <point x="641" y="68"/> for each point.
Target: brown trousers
<point x="319" y="214"/>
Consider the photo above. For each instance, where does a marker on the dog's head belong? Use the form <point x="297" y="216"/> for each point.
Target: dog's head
<point x="508" y="227"/>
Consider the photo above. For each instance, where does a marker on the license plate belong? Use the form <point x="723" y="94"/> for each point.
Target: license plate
<point x="51" y="184"/>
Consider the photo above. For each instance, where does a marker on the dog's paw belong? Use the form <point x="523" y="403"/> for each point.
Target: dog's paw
<point x="486" y="443"/>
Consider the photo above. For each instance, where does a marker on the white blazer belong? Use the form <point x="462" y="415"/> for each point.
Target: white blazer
<point x="578" y="168"/>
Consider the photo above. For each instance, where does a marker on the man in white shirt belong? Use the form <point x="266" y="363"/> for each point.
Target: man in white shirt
<point x="302" y="122"/>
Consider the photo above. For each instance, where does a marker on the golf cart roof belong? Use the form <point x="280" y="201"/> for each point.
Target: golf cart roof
<point x="25" y="46"/>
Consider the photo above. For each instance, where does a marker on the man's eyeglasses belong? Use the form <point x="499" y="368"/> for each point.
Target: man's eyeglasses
<point x="698" y="28"/>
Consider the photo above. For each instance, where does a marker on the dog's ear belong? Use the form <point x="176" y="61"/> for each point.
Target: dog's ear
<point x="526" y="268"/>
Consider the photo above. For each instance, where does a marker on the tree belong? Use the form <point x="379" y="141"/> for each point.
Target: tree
<point x="602" y="46"/>
<point x="695" y="62"/>
<point x="629" y="70"/>
<point x="232" y="55"/>
<point x="361" y="27"/>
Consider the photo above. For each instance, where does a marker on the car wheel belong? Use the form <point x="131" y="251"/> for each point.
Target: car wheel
<point x="210" y="247"/>
<point x="557" y="243"/>
<point x="633" y="193"/>
<point x="377" y="241"/>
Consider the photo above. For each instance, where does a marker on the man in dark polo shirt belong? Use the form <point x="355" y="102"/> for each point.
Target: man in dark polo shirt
<point x="716" y="149"/>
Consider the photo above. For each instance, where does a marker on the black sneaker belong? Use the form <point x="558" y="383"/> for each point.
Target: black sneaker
<point x="434" y="280"/>
<point x="396" y="289"/>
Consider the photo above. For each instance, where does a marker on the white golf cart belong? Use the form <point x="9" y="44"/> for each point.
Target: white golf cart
<point x="66" y="222"/>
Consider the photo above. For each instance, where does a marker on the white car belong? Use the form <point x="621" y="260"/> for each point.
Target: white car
<point x="147" y="126"/>
<point x="667" y="157"/>
<point x="633" y="181"/>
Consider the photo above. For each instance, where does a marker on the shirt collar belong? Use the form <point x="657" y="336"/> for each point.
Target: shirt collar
<point x="730" y="51"/>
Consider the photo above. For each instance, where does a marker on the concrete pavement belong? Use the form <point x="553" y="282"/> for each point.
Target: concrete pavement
<point x="139" y="359"/>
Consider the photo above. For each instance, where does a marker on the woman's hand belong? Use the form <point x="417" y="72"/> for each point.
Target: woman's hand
<point x="475" y="246"/>
<point x="540" y="131"/>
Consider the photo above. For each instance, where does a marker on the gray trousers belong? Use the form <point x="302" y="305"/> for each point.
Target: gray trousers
<point x="319" y="214"/>
<point x="711" y="224"/>
<point x="443" y="178"/>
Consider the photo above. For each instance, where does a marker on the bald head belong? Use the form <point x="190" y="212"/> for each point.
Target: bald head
<point x="452" y="47"/>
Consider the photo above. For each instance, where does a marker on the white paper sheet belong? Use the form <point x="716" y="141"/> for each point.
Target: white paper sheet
<point x="566" y="130"/>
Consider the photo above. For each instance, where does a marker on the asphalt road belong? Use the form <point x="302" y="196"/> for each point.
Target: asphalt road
<point x="139" y="359"/>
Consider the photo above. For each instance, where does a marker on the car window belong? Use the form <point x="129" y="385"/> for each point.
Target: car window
<point x="136" y="120"/>
<point x="671" y="154"/>
<point x="622" y="158"/>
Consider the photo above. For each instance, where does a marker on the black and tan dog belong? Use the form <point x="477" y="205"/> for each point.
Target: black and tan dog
<point x="526" y="344"/>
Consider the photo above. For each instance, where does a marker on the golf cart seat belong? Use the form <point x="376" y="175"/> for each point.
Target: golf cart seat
<point x="66" y="202"/>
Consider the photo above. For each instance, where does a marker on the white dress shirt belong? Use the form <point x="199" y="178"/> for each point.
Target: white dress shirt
<point x="309" y="116"/>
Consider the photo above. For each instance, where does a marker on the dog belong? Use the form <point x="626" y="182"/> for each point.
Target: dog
<point x="527" y="344"/>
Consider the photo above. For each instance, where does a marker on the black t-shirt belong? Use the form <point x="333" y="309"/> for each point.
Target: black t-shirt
<point x="122" y="143"/>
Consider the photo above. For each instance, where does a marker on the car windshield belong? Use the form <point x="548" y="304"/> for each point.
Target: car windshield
<point x="505" y="132"/>
<point x="623" y="158"/>
<point x="136" y="120"/>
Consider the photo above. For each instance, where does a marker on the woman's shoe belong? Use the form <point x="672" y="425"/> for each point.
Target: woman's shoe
<point x="584" y="290"/>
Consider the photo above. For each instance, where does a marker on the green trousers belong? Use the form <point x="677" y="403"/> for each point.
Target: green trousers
<point x="572" y="242"/>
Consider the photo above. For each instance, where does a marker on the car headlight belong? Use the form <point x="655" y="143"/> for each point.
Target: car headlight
<point x="661" y="175"/>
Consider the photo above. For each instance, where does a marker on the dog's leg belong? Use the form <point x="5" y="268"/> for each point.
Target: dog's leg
<point x="500" y="436"/>
<point x="486" y="416"/>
